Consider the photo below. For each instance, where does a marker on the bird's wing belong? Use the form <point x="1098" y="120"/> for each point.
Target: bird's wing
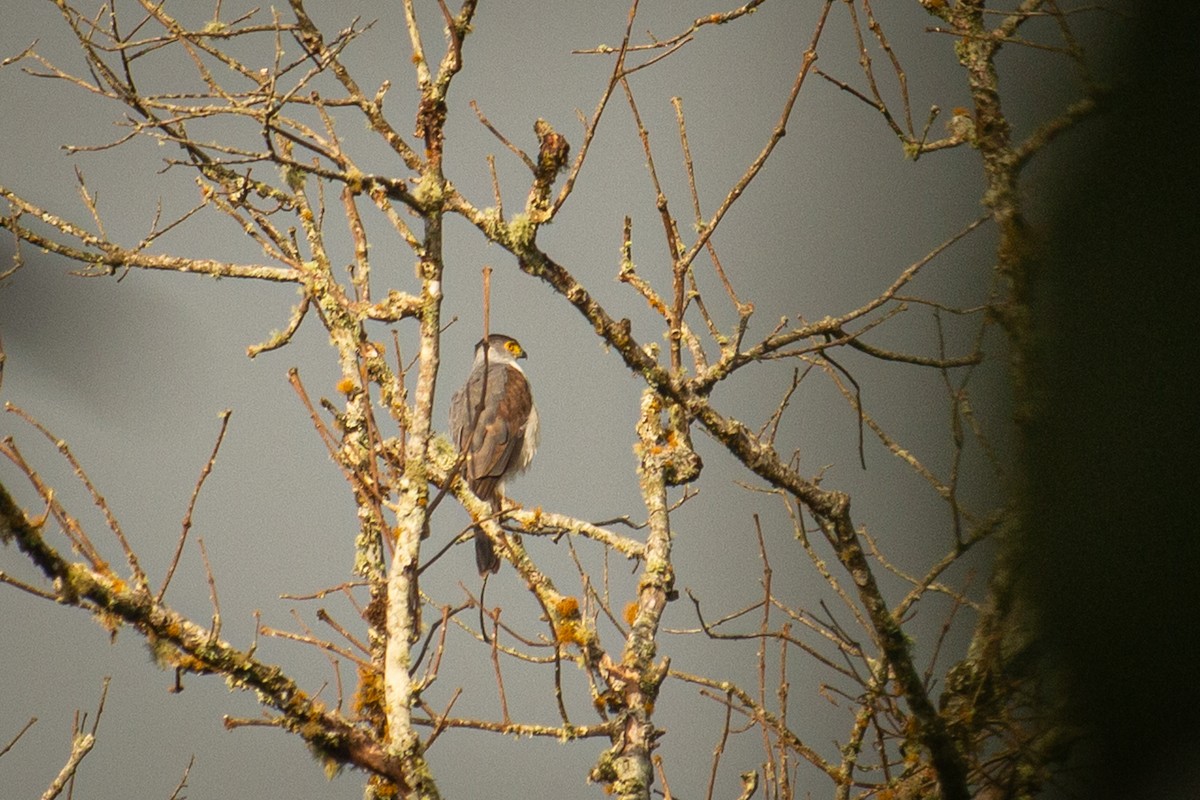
<point x="500" y="430"/>
<point x="459" y="418"/>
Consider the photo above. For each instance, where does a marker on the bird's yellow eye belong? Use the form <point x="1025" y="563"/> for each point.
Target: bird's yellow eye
<point x="513" y="348"/>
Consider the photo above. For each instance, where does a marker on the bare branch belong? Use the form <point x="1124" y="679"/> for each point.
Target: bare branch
<point x="20" y="733"/>
<point x="205" y="471"/>
<point x="81" y="745"/>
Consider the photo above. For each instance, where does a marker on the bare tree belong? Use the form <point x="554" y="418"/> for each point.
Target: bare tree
<point x="262" y="128"/>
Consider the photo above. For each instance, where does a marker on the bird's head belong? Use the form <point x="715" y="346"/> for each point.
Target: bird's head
<point x="500" y="348"/>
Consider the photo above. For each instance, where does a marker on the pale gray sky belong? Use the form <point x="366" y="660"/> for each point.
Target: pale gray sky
<point x="134" y="373"/>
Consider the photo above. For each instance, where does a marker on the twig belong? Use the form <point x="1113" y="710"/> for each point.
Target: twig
<point x="589" y="131"/>
<point x="758" y="715"/>
<point x="810" y="56"/>
<point x="441" y="718"/>
<point x="719" y="750"/>
<point x="862" y="454"/>
<point x="662" y="776"/>
<point x="25" y="587"/>
<point x="563" y="734"/>
<point x="698" y="216"/>
<point x="61" y="444"/>
<point x="205" y="471"/>
<point x="719" y="18"/>
<point x="320" y="644"/>
<point x="183" y="779"/>
<point x="81" y="745"/>
<point x="518" y="152"/>
<point x="495" y="617"/>
<point x="69" y="525"/>
<point x="20" y="733"/>
<point x="324" y="616"/>
<point x="215" y="630"/>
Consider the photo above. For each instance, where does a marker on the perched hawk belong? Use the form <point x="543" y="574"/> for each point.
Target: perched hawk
<point x="498" y="435"/>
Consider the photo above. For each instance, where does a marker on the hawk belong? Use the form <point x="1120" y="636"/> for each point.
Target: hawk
<point x="494" y="424"/>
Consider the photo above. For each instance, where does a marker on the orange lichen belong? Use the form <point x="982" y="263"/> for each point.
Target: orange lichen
<point x="567" y="607"/>
<point x="631" y="611"/>
<point x="383" y="789"/>
<point x="346" y="385"/>
<point x="567" y="633"/>
<point x="188" y="662"/>
<point x="369" y="695"/>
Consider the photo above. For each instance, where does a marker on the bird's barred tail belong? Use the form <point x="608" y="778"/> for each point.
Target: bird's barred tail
<point x="485" y="553"/>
